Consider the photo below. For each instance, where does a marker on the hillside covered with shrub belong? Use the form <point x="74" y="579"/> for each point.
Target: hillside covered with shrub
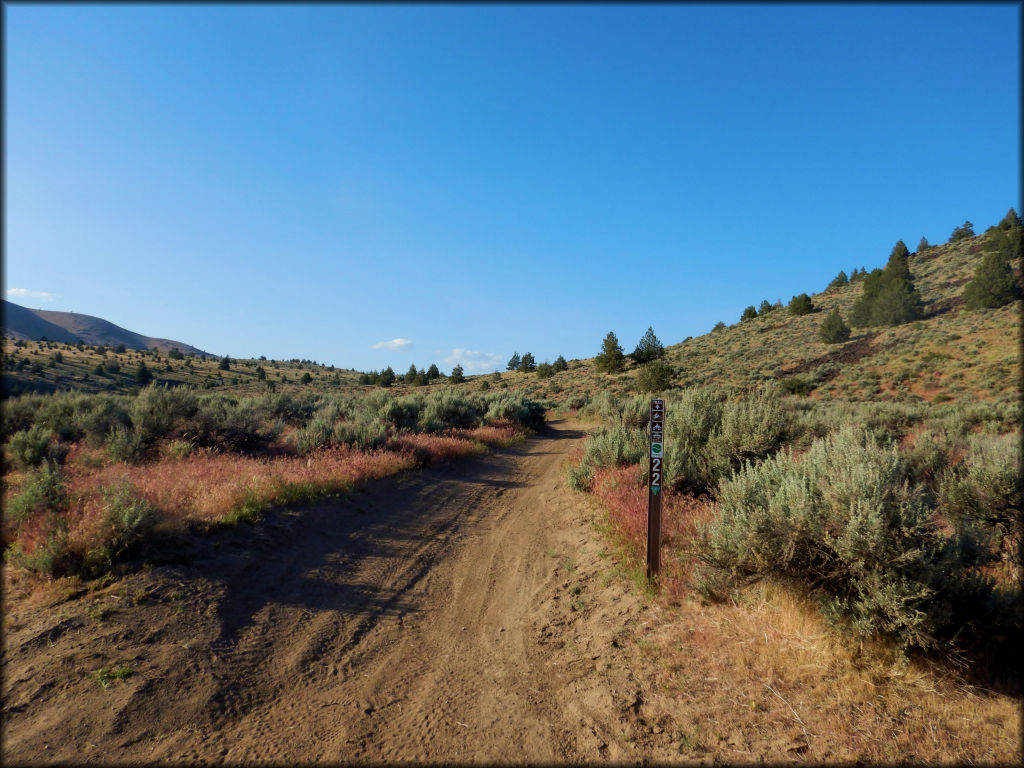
<point x="874" y="470"/>
<point x="952" y="351"/>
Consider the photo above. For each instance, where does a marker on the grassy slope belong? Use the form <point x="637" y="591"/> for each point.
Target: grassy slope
<point x="951" y="354"/>
<point x="76" y="371"/>
<point x="72" y="327"/>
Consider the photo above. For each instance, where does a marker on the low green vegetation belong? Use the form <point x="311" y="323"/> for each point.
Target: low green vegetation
<point x="873" y="469"/>
<point x="892" y="516"/>
<point x="847" y="521"/>
<point x="45" y="511"/>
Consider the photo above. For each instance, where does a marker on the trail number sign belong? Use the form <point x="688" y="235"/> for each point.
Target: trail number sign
<point x="656" y="475"/>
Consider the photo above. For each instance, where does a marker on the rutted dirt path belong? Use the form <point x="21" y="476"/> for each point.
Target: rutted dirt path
<point x="451" y="614"/>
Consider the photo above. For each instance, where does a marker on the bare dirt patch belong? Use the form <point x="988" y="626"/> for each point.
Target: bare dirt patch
<point x="433" y="616"/>
<point x="850" y="352"/>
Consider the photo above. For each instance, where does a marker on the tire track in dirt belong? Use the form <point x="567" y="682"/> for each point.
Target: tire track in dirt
<point x="420" y="618"/>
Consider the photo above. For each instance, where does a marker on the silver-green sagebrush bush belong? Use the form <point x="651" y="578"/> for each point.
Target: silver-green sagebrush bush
<point x="450" y="408"/>
<point x="844" y="522"/>
<point x="42" y="503"/>
<point x="693" y="418"/>
<point x="706" y="438"/>
<point x="42" y="491"/>
<point x="985" y="488"/>
<point x="752" y="426"/>
<point x="31" y="447"/>
<point x="615" y="446"/>
<point x="128" y="521"/>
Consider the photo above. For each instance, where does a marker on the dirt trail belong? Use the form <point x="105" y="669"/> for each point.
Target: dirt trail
<point x="450" y="614"/>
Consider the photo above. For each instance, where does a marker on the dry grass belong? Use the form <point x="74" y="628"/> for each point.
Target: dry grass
<point x="210" y="486"/>
<point x="499" y="434"/>
<point x="765" y="678"/>
<point x="623" y="494"/>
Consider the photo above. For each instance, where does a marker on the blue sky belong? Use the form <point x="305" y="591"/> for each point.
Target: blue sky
<point x="384" y="185"/>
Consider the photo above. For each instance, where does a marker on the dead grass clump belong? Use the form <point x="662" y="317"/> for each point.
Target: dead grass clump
<point x="208" y="486"/>
<point x="764" y="678"/>
<point x="623" y="494"/>
<point x="499" y="434"/>
<point x="430" y="448"/>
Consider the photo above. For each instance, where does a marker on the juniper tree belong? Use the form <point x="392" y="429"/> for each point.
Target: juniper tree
<point x="458" y="375"/>
<point x="1010" y="220"/>
<point x="889" y="296"/>
<point x="801" y="305"/>
<point x="433" y="372"/>
<point x="611" y="358"/>
<point x="748" y="314"/>
<point x="649" y="348"/>
<point x="962" y="232"/>
<point x="838" y="281"/>
<point x="922" y="245"/>
<point x="993" y="284"/>
<point x="654" y="376"/>
<point x="386" y="377"/>
<point x="765" y="307"/>
<point x="528" y="364"/>
<point x="143" y="375"/>
<point x="833" y="329"/>
<point x="560" y="364"/>
<point x="899" y="261"/>
<point x="514" y="361"/>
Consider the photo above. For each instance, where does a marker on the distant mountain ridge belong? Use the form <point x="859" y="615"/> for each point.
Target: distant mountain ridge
<point x="70" y="327"/>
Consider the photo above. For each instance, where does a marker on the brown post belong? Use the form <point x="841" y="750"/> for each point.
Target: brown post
<point x="654" y="490"/>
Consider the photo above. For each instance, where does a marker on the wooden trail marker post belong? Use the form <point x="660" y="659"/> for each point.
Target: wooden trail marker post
<point x="654" y="490"/>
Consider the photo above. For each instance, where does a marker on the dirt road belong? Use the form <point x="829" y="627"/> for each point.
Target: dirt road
<point x="453" y="614"/>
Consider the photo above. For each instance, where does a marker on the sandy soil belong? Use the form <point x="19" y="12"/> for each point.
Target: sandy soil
<point x="451" y="614"/>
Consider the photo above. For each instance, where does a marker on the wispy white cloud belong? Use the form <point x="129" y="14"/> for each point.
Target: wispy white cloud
<point x="473" y="361"/>
<point x="395" y="345"/>
<point x="25" y="293"/>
